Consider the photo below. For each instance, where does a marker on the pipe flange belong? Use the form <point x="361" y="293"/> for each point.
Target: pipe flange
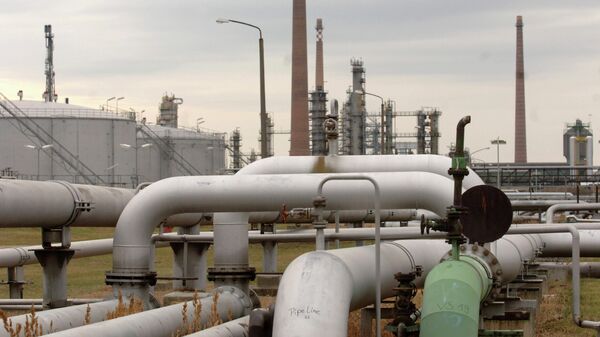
<point x="231" y="273"/>
<point x="79" y="205"/>
<point x="244" y="298"/>
<point x="147" y="278"/>
<point x="487" y="259"/>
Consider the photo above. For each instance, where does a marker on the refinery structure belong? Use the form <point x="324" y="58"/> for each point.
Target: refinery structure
<point x="365" y="229"/>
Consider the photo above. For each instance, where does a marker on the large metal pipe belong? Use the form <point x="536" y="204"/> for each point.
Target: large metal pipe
<point x="166" y="321"/>
<point x="352" y="164"/>
<point x="452" y="293"/>
<point x="58" y="203"/>
<point x="318" y="289"/>
<point x="65" y="318"/>
<point x="236" y="328"/>
<point x="341" y="164"/>
<point x="132" y="243"/>
<point x="322" y="287"/>
<point x="570" y="207"/>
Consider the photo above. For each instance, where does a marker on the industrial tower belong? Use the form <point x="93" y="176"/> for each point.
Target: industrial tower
<point x="299" y="128"/>
<point x="520" y="123"/>
<point x="318" y="100"/>
<point x="50" y="93"/>
<point x="354" y="113"/>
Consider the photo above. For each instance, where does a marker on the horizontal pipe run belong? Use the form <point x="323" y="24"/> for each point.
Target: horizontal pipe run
<point x="305" y="216"/>
<point x="57" y="203"/>
<point x="236" y="328"/>
<point x="27" y="307"/>
<point x="429" y="163"/>
<point x="166" y="321"/>
<point x="537" y="205"/>
<point x="570" y="207"/>
<point x="30" y="301"/>
<point x="19" y="256"/>
<point x="65" y="318"/>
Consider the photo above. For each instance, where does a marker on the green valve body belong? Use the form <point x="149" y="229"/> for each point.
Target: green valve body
<point x="453" y="292"/>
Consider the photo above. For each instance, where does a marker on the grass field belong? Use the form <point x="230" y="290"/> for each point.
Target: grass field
<point x="86" y="279"/>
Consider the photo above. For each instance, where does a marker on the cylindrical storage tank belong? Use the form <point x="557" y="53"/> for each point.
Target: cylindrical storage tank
<point x="179" y="152"/>
<point x="94" y="136"/>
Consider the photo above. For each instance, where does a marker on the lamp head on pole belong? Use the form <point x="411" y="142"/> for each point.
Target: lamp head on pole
<point x="221" y="20"/>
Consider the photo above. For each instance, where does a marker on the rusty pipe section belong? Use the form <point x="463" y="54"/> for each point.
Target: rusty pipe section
<point x="354" y="164"/>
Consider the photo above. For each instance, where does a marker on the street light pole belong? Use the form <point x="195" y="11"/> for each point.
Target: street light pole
<point x="498" y="142"/>
<point x="38" y="149"/>
<point x="264" y="151"/>
<point x="108" y="100"/>
<point x="136" y="148"/>
<point x="117" y="107"/>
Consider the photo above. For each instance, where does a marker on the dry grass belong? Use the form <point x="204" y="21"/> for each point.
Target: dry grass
<point x="195" y="325"/>
<point x="32" y="327"/>
<point x="123" y="309"/>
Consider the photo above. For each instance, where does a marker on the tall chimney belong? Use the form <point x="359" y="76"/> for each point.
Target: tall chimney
<point x="299" y="129"/>
<point x="520" y="123"/>
<point x="319" y="83"/>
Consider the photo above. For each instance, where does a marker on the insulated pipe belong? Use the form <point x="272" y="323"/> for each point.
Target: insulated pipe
<point x="58" y="203"/>
<point x="236" y="328"/>
<point x="64" y="318"/>
<point x="353" y="164"/>
<point x="451" y="297"/>
<point x="570" y="207"/>
<point x="318" y="289"/>
<point x="132" y="238"/>
<point x="166" y="321"/>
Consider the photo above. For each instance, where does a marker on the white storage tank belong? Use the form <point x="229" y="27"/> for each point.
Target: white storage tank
<point x="92" y="135"/>
<point x="202" y="149"/>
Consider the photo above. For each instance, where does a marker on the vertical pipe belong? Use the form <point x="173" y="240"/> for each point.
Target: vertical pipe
<point x="377" y="206"/>
<point x="269" y="256"/>
<point x="230" y="245"/>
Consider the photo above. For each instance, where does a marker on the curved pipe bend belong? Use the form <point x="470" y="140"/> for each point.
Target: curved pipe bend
<point x="132" y="238"/>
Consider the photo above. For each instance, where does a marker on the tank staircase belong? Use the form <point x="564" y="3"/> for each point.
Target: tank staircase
<point x="168" y="150"/>
<point x="38" y="135"/>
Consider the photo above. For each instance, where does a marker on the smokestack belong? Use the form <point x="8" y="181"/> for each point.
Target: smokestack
<point x="50" y="93"/>
<point x="319" y="83"/>
<point x="520" y="123"/>
<point x="299" y="129"/>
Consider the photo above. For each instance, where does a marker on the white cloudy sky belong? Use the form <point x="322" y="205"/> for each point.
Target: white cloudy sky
<point x="457" y="55"/>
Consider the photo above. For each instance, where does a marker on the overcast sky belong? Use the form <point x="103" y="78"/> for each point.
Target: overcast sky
<point x="455" y="55"/>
